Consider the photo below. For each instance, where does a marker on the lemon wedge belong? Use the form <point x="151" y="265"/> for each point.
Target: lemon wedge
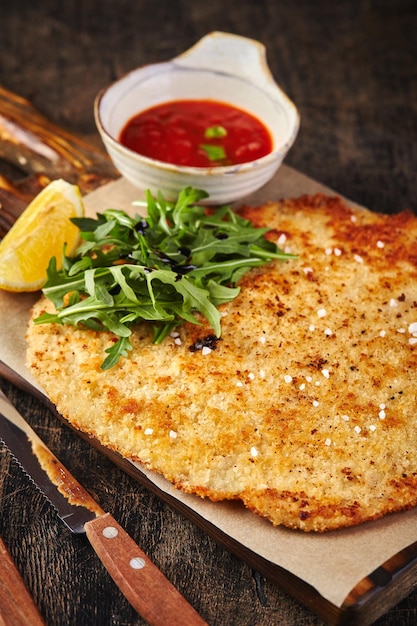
<point x="39" y="233"/>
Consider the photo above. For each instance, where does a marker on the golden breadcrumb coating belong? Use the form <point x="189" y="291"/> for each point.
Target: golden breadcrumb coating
<point x="305" y="409"/>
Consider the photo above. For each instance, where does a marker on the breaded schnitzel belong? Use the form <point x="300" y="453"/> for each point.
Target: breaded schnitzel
<point x="305" y="408"/>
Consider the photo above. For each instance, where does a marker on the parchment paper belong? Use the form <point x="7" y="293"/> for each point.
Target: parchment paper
<point x="333" y="563"/>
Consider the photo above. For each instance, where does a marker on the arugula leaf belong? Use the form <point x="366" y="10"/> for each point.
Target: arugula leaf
<point x="177" y="263"/>
<point x="118" y="349"/>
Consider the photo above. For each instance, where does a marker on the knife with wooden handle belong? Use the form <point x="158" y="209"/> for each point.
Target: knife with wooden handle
<point x="17" y="607"/>
<point x="141" y="582"/>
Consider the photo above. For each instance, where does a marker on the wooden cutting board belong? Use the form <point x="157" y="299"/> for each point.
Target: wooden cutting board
<point x="305" y="567"/>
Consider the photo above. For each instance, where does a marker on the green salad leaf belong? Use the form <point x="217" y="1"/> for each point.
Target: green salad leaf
<point x="178" y="261"/>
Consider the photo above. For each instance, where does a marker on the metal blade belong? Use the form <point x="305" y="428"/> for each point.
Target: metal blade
<point x="74" y="505"/>
<point x="146" y="588"/>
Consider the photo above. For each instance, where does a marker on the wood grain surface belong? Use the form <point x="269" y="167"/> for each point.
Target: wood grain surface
<point x="16" y="604"/>
<point x="350" y="67"/>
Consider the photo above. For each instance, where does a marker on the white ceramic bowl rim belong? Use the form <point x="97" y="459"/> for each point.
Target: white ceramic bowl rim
<point x="170" y="167"/>
<point x="254" y="75"/>
<point x="220" y="66"/>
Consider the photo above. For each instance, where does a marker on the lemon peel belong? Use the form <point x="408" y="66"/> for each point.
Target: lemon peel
<point x="39" y="233"/>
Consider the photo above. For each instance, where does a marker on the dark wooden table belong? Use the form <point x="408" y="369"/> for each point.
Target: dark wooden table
<point x="351" y="68"/>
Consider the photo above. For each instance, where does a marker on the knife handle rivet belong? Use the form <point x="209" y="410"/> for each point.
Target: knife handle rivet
<point x="110" y="532"/>
<point x="137" y="562"/>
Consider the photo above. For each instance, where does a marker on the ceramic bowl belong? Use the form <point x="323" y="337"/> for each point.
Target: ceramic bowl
<point x="223" y="67"/>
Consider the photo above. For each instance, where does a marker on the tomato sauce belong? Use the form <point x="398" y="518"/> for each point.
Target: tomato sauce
<point x="198" y="133"/>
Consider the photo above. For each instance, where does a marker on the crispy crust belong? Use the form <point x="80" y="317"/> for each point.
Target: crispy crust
<point x="306" y="410"/>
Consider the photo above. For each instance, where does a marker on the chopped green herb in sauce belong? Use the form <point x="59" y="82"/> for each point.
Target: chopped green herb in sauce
<point x="214" y="153"/>
<point x="215" y="131"/>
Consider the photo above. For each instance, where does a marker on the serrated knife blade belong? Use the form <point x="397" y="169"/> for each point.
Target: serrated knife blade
<point x="138" y="578"/>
